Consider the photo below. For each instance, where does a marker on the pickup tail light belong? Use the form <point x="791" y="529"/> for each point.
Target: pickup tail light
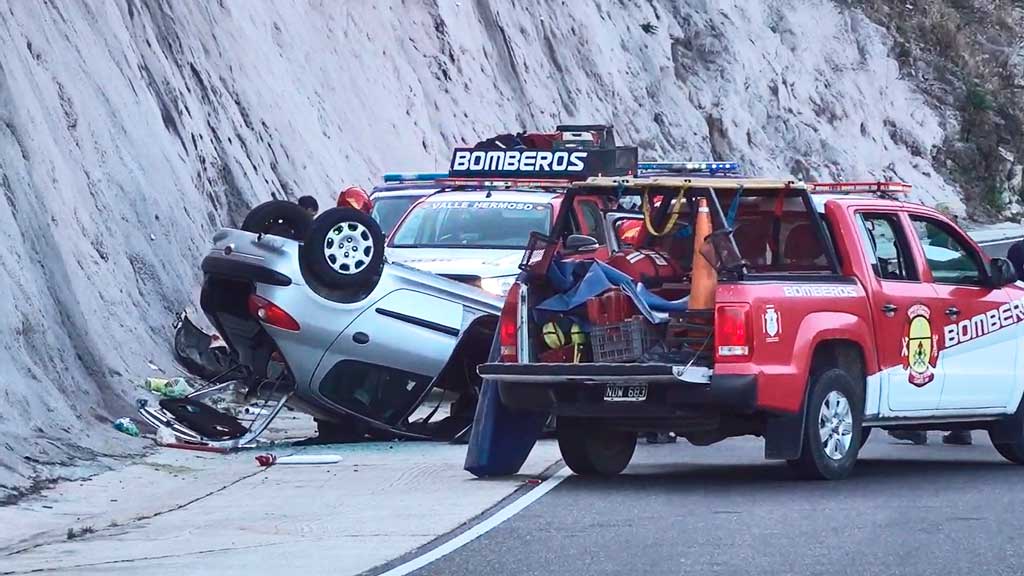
<point x="732" y="332"/>
<point x="270" y="313"/>
<point x="508" y="329"/>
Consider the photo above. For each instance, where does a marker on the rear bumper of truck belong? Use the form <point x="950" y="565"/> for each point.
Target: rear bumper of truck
<point x="578" y="389"/>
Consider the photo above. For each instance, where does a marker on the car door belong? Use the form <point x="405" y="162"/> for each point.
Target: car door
<point x="911" y="380"/>
<point x="975" y="323"/>
<point x="384" y="361"/>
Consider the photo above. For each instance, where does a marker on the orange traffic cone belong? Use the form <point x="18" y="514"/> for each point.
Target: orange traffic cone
<point x="704" y="278"/>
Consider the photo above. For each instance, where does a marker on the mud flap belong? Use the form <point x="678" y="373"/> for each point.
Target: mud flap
<point x="501" y="439"/>
<point x="783" y="436"/>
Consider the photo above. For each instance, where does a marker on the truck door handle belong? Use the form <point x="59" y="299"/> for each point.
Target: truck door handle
<point x="890" y="309"/>
<point x="952" y="311"/>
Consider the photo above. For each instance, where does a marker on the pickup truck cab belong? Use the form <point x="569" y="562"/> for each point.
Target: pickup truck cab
<point x="837" y="309"/>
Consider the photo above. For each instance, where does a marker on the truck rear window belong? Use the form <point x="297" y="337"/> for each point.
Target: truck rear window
<point x="790" y="242"/>
<point x="773" y="236"/>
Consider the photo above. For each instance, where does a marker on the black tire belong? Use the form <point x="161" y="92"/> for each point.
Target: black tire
<point x="593" y="450"/>
<point x="814" y="463"/>
<point x="279" y="218"/>
<point x="1012" y="451"/>
<point x="344" y="270"/>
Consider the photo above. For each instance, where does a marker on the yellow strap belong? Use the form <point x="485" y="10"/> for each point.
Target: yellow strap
<point x="673" y="215"/>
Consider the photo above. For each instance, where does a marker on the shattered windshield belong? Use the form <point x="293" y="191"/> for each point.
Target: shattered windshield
<point x="472" y="224"/>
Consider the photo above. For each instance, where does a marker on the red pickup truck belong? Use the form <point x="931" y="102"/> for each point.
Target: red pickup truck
<point x="838" y="309"/>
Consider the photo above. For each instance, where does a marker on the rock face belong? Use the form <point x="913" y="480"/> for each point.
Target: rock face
<point x="130" y="131"/>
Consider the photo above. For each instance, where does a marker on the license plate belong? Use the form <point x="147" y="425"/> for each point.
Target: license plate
<point x="625" y="393"/>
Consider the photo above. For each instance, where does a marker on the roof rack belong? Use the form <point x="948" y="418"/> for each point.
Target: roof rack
<point x="677" y="181"/>
<point x="880" y="187"/>
<point x="708" y="168"/>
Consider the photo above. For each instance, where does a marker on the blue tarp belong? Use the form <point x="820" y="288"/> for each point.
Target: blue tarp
<point x="598" y="279"/>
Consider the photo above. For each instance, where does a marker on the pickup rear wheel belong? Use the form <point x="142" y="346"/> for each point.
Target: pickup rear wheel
<point x="593" y="450"/>
<point x="1014" y="452"/>
<point x="832" y="428"/>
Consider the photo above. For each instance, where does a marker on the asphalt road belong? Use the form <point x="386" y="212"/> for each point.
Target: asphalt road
<point x="680" y="509"/>
<point x="997" y="248"/>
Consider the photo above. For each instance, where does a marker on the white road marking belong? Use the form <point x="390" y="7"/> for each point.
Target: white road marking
<point x="481" y="528"/>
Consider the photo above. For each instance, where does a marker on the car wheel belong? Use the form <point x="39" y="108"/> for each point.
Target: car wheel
<point x="344" y="249"/>
<point x="278" y="218"/>
<point x="832" y="428"/>
<point x="1014" y="450"/>
<point x="591" y="450"/>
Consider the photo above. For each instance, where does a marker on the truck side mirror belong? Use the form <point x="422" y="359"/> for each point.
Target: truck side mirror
<point x="1001" y="272"/>
<point x="581" y="243"/>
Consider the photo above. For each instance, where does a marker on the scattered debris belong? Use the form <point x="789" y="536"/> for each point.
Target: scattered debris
<point x="165" y="436"/>
<point x="201" y="354"/>
<point x="127" y="426"/>
<point x="169" y="388"/>
<point x="195" y="447"/>
<point x="253" y="411"/>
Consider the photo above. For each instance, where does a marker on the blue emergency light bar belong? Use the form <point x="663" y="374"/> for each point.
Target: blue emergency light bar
<point x="393" y="177"/>
<point x="713" y="168"/>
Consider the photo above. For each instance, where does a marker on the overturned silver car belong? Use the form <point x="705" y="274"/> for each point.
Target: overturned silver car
<point x="328" y="327"/>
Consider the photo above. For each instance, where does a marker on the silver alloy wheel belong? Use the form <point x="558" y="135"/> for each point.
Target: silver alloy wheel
<point x="348" y="248"/>
<point x="835" y="424"/>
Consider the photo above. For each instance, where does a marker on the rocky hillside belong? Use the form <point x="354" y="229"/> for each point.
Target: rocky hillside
<point x="967" y="58"/>
<point x="131" y="130"/>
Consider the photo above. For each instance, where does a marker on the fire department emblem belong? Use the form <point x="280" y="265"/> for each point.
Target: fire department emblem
<point x="920" y="346"/>
<point x="772" y="325"/>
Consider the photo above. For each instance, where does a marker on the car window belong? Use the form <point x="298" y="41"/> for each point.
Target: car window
<point x="886" y="246"/>
<point x="439" y="223"/>
<point x="387" y="211"/>
<point x="949" y="258"/>
<point x="593" y="220"/>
